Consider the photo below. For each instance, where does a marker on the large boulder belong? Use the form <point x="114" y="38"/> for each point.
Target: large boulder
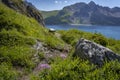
<point x="94" y="52"/>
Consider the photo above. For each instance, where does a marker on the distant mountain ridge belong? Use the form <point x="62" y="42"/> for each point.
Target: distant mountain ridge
<point x="26" y="8"/>
<point x="82" y="13"/>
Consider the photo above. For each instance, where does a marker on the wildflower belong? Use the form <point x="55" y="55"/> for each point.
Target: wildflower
<point x="43" y="66"/>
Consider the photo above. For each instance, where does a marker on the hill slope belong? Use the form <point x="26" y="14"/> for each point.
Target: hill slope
<point x="26" y="8"/>
<point x="19" y="35"/>
<point x="27" y="49"/>
<point x="47" y="14"/>
<point x="82" y="13"/>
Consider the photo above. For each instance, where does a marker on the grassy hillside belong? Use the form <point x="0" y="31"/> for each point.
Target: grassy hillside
<point x="47" y="14"/>
<point x="25" y="8"/>
<point x="57" y="17"/>
<point x="18" y="35"/>
<point x="73" y="68"/>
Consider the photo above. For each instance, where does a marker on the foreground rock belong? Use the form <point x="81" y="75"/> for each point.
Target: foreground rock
<point x="94" y="52"/>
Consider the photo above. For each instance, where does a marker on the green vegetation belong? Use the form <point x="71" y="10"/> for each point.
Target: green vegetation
<point x="21" y="27"/>
<point x="47" y="14"/>
<point x="18" y="35"/>
<point x="96" y="37"/>
<point x="41" y="56"/>
<point x="7" y="72"/>
<point x="77" y="69"/>
<point x="53" y="17"/>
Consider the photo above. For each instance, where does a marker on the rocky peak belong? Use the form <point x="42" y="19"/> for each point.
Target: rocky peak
<point x="26" y="8"/>
<point x="94" y="52"/>
<point x="116" y="9"/>
<point x="91" y="3"/>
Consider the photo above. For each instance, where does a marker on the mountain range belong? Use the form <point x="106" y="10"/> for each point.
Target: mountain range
<point x="82" y="13"/>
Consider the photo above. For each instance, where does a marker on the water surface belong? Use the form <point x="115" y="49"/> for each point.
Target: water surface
<point x="108" y="31"/>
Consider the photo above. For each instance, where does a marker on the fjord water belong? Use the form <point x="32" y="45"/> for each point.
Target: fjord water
<point x="108" y="31"/>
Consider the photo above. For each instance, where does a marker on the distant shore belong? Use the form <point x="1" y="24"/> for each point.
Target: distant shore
<point x="81" y="24"/>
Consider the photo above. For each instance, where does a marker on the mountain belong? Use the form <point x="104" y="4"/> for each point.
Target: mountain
<point x="26" y="8"/>
<point x="82" y="13"/>
<point x="46" y="14"/>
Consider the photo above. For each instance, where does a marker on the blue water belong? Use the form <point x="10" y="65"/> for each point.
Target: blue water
<point x="108" y="31"/>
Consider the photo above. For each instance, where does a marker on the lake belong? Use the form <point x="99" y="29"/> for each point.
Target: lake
<point x="108" y="31"/>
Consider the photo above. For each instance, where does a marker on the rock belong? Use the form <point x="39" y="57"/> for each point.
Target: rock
<point x="26" y="8"/>
<point x="94" y="52"/>
<point x="52" y="30"/>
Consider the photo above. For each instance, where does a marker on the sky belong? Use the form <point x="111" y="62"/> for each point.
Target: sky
<point x="48" y="5"/>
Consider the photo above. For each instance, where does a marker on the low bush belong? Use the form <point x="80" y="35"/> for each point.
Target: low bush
<point x="7" y="72"/>
<point x="17" y="55"/>
<point x="73" y="38"/>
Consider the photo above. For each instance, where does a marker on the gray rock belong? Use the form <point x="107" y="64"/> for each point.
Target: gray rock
<point x="94" y="52"/>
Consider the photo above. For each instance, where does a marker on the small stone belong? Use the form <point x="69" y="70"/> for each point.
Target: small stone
<point x="63" y="56"/>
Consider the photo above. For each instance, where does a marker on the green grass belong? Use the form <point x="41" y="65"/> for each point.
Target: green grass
<point x="77" y="69"/>
<point x="17" y="55"/>
<point x="19" y="33"/>
<point x="96" y="37"/>
<point x="7" y="72"/>
<point x="15" y="23"/>
<point x="47" y="14"/>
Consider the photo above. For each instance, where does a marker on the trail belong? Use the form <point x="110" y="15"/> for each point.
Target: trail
<point x="48" y="53"/>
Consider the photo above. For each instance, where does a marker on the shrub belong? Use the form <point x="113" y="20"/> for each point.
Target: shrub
<point x="78" y="69"/>
<point x="100" y="39"/>
<point x="17" y="55"/>
<point x="12" y="38"/>
<point x="41" y="56"/>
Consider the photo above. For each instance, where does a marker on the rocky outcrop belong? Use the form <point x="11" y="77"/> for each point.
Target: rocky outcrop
<point x="26" y="8"/>
<point x="94" y="52"/>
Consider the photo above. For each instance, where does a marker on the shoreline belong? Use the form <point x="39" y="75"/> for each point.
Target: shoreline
<point x="82" y="24"/>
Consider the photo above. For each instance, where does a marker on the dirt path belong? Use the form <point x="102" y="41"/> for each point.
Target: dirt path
<point x="44" y="63"/>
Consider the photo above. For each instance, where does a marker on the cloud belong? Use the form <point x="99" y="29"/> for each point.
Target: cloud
<point x="60" y="2"/>
<point x="65" y="1"/>
<point x="56" y="2"/>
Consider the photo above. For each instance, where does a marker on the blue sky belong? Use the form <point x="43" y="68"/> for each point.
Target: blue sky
<point x="48" y="5"/>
